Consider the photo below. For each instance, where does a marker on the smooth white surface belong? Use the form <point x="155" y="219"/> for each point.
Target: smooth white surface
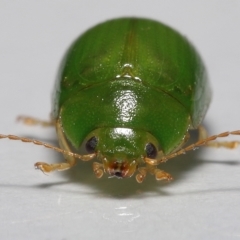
<point x="203" y="202"/>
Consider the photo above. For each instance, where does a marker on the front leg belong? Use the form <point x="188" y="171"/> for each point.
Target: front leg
<point x="71" y="161"/>
<point x="153" y="170"/>
<point x="161" y="175"/>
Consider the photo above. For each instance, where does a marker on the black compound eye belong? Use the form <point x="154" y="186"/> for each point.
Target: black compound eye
<point x="151" y="150"/>
<point x="91" y="145"/>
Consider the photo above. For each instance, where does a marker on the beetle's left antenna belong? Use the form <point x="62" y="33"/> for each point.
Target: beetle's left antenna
<point x="46" y="145"/>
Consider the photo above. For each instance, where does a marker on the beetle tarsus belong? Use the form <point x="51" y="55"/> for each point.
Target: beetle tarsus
<point x="97" y="168"/>
<point x="161" y="175"/>
<point x="34" y="121"/>
<point x="47" y="168"/>
<point x="226" y="144"/>
<point x="141" y="175"/>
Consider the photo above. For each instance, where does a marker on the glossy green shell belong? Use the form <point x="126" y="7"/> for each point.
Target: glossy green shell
<point x="131" y="73"/>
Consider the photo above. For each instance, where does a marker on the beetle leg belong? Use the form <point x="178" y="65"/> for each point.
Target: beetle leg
<point x="71" y="160"/>
<point x="34" y="121"/>
<point x="227" y="144"/>
<point x="159" y="174"/>
<point x="70" y="157"/>
<point x="98" y="169"/>
<point x="47" y="168"/>
<point x="65" y="150"/>
<point x="141" y="175"/>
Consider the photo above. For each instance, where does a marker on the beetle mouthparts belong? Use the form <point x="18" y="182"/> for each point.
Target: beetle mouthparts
<point x="119" y="169"/>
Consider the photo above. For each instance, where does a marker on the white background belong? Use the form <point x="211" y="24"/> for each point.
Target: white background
<point x="203" y="201"/>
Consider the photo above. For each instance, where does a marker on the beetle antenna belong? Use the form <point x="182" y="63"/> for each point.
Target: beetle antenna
<point x="194" y="146"/>
<point x="46" y="145"/>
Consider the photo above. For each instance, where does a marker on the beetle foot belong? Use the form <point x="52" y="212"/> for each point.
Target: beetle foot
<point x="141" y="175"/>
<point x="230" y="145"/>
<point x="161" y="175"/>
<point x="216" y="144"/>
<point x="34" y="121"/>
<point x="97" y="168"/>
<point x="47" y="168"/>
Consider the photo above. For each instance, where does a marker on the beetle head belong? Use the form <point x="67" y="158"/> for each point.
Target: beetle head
<point x="121" y="150"/>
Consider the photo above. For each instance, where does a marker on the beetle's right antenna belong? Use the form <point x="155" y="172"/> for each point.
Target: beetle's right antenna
<point x="202" y="142"/>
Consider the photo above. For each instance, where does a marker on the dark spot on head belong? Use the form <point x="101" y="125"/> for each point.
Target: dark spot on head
<point x="151" y="150"/>
<point x="91" y="145"/>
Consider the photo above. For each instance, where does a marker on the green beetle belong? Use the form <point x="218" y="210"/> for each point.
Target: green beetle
<point x="130" y="89"/>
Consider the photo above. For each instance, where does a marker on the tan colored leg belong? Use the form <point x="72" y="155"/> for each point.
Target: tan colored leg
<point x="47" y="168"/>
<point x="64" y="149"/>
<point x="159" y="174"/>
<point x="71" y="161"/>
<point x="98" y="169"/>
<point x="226" y="144"/>
<point x="34" y="121"/>
<point x="141" y="175"/>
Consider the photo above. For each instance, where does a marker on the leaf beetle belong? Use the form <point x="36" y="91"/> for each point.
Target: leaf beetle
<point x="131" y="89"/>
